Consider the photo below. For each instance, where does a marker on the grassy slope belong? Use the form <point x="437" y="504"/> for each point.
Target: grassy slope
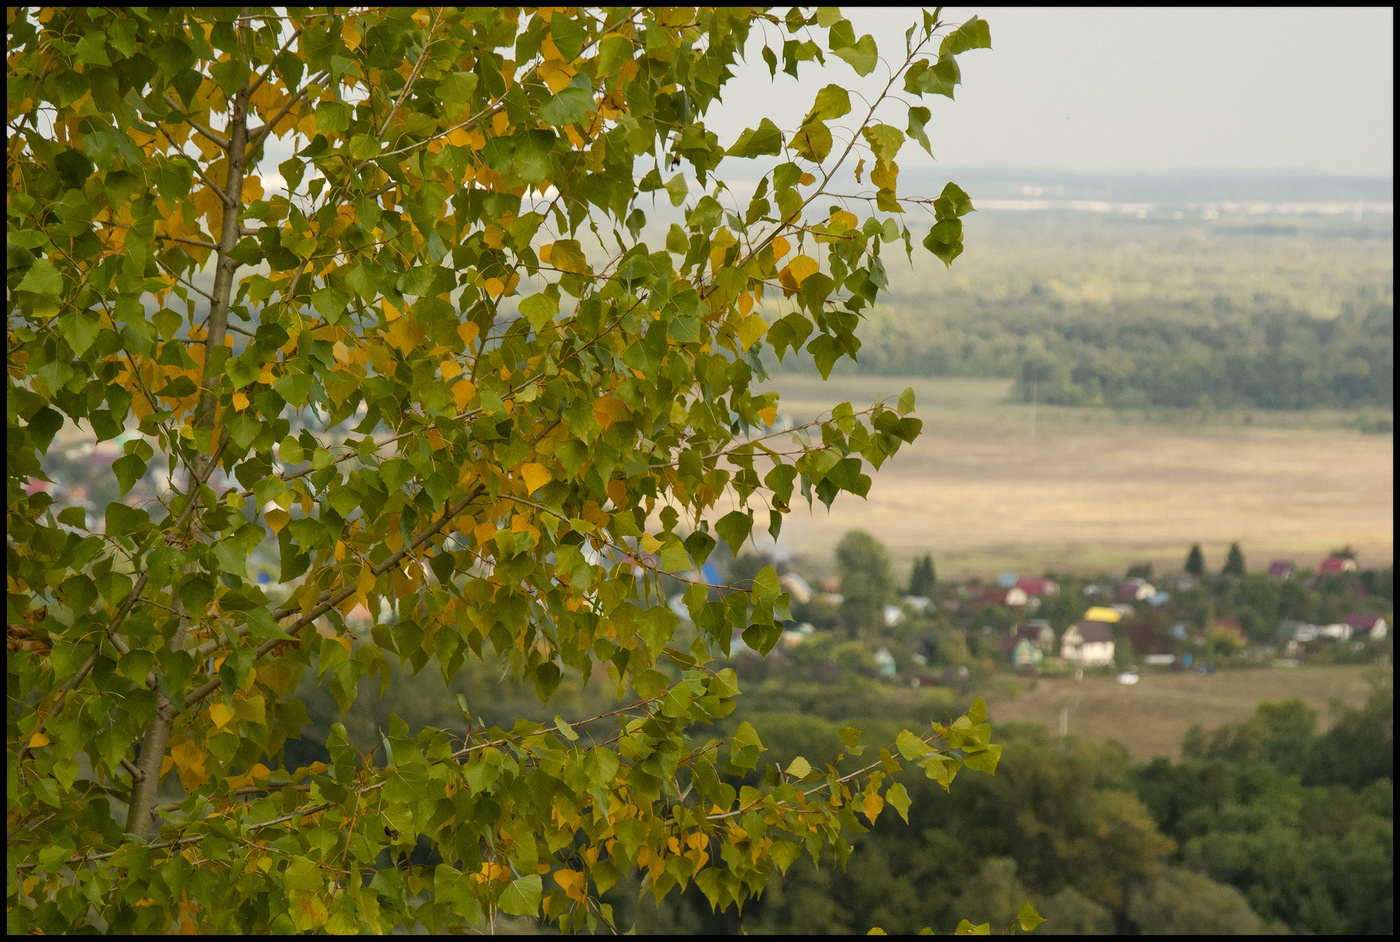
<point x="1151" y="717"/>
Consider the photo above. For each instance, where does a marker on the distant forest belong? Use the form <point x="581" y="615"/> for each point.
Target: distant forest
<point x="1106" y="312"/>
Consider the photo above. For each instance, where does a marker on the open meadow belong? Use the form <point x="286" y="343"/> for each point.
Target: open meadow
<point x="1150" y="717"/>
<point x="985" y="488"/>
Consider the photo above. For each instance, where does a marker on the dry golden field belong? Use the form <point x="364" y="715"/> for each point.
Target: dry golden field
<point x="1151" y="717"/>
<point x="1094" y="489"/>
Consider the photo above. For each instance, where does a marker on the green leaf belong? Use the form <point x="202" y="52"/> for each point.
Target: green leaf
<point x="985" y="760"/>
<point x="735" y="527"/>
<point x="1028" y="917"/>
<point x="911" y="746"/>
<point x="522" y="897"/>
<point x="952" y="203"/>
<point x="974" y="34"/>
<point x="833" y="101"/>
<point x="862" y="55"/>
<point x="42" y="278"/>
<point x="539" y="309"/>
<point x="967" y="928"/>
<point x="898" y="798"/>
<point x="766" y="139"/>
<point x="945" y="240"/>
<point x="799" y="768"/>
<point x="570" y="106"/>
<point x="906" y="401"/>
<point x="745" y="747"/>
<point x="129" y="469"/>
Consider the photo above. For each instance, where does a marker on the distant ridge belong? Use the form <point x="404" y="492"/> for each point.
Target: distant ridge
<point x="1174" y="189"/>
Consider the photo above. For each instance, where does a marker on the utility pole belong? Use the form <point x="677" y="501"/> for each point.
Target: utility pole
<point x="1034" y="398"/>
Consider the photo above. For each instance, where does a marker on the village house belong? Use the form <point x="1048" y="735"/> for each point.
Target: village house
<point x="1038" y="588"/>
<point x="1295" y="632"/>
<point x="1282" y="569"/>
<point x="1337" y="631"/>
<point x="1336" y="564"/>
<point x="1231" y="628"/>
<point x="1012" y="597"/>
<point x="1087" y="643"/>
<point x="1136" y="590"/>
<point x="1038" y="632"/>
<point x="1373" y="626"/>
<point x="1025" y="653"/>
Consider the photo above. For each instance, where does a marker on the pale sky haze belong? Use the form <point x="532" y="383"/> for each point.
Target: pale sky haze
<point x="1135" y="89"/>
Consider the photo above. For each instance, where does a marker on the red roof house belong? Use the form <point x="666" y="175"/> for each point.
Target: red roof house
<point x="1011" y="596"/>
<point x="1038" y="588"/>
<point x="1281" y="568"/>
<point x="1333" y="564"/>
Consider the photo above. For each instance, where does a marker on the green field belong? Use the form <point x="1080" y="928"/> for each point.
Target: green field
<point x="1151" y="717"/>
<point x="985" y="488"/>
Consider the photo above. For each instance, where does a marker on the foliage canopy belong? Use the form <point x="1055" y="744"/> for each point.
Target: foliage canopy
<point x="395" y="362"/>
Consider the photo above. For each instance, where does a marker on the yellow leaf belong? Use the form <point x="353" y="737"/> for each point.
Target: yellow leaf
<point x="608" y="410"/>
<point x="751" y="329"/>
<point x="364" y="584"/>
<point x="277" y="519"/>
<point x="350" y="34"/>
<point x="240" y="401"/>
<point x="484" y="533"/>
<point x="190" y="760"/>
<point x="222" y="714"/>
<point x="802" y="267"/>
<point x="745" y="302"/>
<point x="536" y="475"/>
<point x="467" y="332"/>
<point x="556" y="74"/>
<point x="405" y="334"/>
<point x="574" y="884"/>
<point x="780" y="247"/>
<point x="462" y="392"/>
<point x="495" y="287"/>
<point x="391" y="313"/>
<point x="769" y="415"/>
<point x="38" y="739"/>
<point x="450" y="368"/>
<point x="874" y="804"/>
<point x="252" y="189"/>
<point x="650" y="543"/>
<point x="567" y="255"/>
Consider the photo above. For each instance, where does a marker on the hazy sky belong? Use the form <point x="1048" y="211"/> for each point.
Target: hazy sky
<point x="1137" y="89"/>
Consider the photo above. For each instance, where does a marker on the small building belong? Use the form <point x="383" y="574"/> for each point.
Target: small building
<point x="884" y="662"/>
<point x="894" y="615"/>
<point x="1338" y="631"/>
<point x="1282" y="569"/>
<point x="1159" y="598"/>
<point x="1025" y="652"/>
<point x="1011" y="596"/>
<point x="919" y="603"/>
<point x="793" y="584"/>
<point x="1087" y="643"/>
<point x="1336" y="564"/>
<point x="1038" y="588"/>
<point x="1296" y="632"/>
<point x="1232" y="629"/>
<point x="1007" y="579"/>
<point x="1038" y="632"/>
<point x="1136" y="590"/>
<point x="1373" y="626"/>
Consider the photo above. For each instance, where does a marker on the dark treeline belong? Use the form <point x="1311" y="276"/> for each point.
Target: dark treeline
<point x="1265" y="826"/>
<point x="1219" y="354"/>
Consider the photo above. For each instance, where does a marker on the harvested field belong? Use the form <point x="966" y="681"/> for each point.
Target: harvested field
<point x="1095" y="489"/>
<point x="1151" y="717"/>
